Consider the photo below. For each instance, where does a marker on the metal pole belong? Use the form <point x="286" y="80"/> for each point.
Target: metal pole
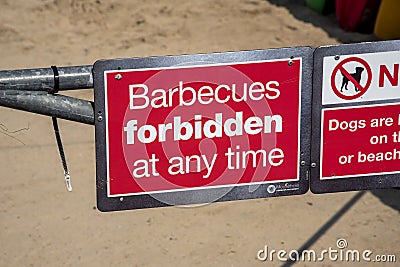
<point x="70" y="78"/>
<point x="59" y="106"/>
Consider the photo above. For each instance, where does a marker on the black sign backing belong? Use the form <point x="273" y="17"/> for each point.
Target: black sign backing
<point x="113" y="202"/>
<point x="349" y="81"/>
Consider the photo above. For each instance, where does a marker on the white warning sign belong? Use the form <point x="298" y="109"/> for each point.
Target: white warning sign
<point x="361" y="77"/>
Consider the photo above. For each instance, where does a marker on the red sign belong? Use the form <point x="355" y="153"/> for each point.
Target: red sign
<point x="360" y="141"/>
<point x="180" y="128"/>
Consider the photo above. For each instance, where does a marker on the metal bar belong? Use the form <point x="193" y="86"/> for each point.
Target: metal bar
<point x="59" y="106"/>
<point x="70" y="78"/>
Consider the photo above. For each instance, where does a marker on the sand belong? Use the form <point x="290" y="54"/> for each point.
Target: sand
<point x="41" y="224"/>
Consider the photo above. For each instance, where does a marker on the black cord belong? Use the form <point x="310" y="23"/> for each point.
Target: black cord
<point x="59" y="143"/>
<point x="57" y="132"/>
<point x="62" y="154"/>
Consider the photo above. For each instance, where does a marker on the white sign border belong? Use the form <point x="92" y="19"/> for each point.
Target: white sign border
<point x="204" y="187"/>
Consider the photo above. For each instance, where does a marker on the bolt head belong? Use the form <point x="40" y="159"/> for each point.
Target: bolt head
<point x="271" y="189"/>
<point x="100" y="118"/>
<point x="118" y="76"/>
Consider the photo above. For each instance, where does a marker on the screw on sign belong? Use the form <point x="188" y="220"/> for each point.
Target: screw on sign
<point x="352" y="70"/>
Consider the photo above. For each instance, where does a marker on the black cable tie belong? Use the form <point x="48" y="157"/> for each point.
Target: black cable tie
<point x="56" y="86"/>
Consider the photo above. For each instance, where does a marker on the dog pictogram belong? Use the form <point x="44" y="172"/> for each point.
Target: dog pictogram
<point x="354" y="71"/>
<point x="356" y="75"/>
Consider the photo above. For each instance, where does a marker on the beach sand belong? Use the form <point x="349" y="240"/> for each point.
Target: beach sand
<point x="41" y="224"/>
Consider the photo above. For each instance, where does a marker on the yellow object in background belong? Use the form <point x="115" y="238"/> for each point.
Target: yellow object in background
<point x="387" y="25"/>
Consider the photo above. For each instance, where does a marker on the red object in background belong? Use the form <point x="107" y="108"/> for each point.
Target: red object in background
<point x="357" y="15"/>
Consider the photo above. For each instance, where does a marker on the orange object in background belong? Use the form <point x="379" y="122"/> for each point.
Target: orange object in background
<point x="387" y="24"/>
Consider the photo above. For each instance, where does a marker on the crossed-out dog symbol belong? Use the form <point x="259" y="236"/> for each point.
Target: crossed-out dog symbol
<point x="356" y="75"/>
<point x="360" y="74"/>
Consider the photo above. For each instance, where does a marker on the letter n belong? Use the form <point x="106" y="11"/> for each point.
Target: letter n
<point x="393" y="79"/>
